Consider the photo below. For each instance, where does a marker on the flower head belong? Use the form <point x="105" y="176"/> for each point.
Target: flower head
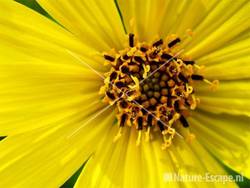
<point x="131" y="87"/>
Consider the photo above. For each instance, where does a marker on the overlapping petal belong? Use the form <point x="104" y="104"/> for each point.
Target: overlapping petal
<point x="124" y="164"/>
<point x="48" y="156"/>
<point x="150" y="18"/>
<point x="95" y="23"/>
<point x="41" y="81"/>
<point x="226" y="137"/>
<point x="232" y="97"/>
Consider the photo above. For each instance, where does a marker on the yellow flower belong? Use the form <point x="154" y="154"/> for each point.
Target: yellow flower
<point x="55" y="119"/>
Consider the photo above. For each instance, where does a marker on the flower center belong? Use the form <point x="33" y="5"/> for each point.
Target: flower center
<point x="151" y="86"/>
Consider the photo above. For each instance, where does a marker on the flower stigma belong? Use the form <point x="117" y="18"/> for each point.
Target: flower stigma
<point x="152" y="87"/>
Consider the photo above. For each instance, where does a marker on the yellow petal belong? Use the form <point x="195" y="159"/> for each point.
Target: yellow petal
<point x="126" y="164"/>
<point x="41" y="81"/>
<point x="29" y="32"/>
<point x="232" y="51"/>
<point x="227" y="137"/>
<point x="231" y="97"/>
<point x="213" y="32"/>
<point x="35" y="92"/>
<point x="187" y="159"/>
<point x="105" y="168"/>
<point x="228" y="63"/>
<point x="95" y="23"/>
<point x="49" y="156"/>
<point x="150" y="18"/>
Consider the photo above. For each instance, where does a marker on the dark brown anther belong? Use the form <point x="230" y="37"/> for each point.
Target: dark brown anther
<point x="184" y="121"/>
<point x="186" y="102"/>
<point x="197" y="77"/>
<point x="166" y="56"/>
<point x="123" y="119"/>
<point x="140" y="123"/>
<point x="189" y="62"/>
<point x="113" y="76"/>
<point x="119" y="84"/>
<point x="123" y="104"/>
<point x="119" y="62"/>
<point x="158" y="43"/>
<point x="125" y="69"/>
<point x="161" y="125"/>
<point x="177" y="106"/>
<point x="131" y="40"/>
<point x="169" y="102"/>
<point x="139" y="59"/>
<point x="110" y="95"/>
<point x="143" y="49"/>
<point x="174" y="42"/>
<point x="150" y="120"/>
<point x="109" y="58"/>
<point x="183" y="78"/>
<point x="125" y="57"/>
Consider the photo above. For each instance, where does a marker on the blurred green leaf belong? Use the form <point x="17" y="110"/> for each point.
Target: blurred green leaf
<point x="244" y="184"/>
<point x="2" y="137"/>
<point x="35" y="6"/>
<point x="71" y="181"/>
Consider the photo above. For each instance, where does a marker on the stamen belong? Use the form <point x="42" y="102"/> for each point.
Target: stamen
<point x="184" y="121"/>
<point x="139" y="59"/>
<point x="189" y="62"/>
<point x="143" y="49"/>
<point x="109" y="58"/>
<point x="213" y="85"/>
<point x="174" y="42"/>
<point x="161" y="125"/>
<point x="123" y="120"/>
<point x="166" y="56"/>
<point x="194" y="103"/>
<point x="131" y="40"/>
<point x="183" y="78"/>
<point x="158" y="43"/>
<point x="110" y="95"/>
<point x="197" y="77"/>
<point x="167" y="142"/>
<point x="175" y="117"/>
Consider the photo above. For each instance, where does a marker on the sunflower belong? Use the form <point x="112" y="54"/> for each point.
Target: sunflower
<point x="137" y="90"/>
